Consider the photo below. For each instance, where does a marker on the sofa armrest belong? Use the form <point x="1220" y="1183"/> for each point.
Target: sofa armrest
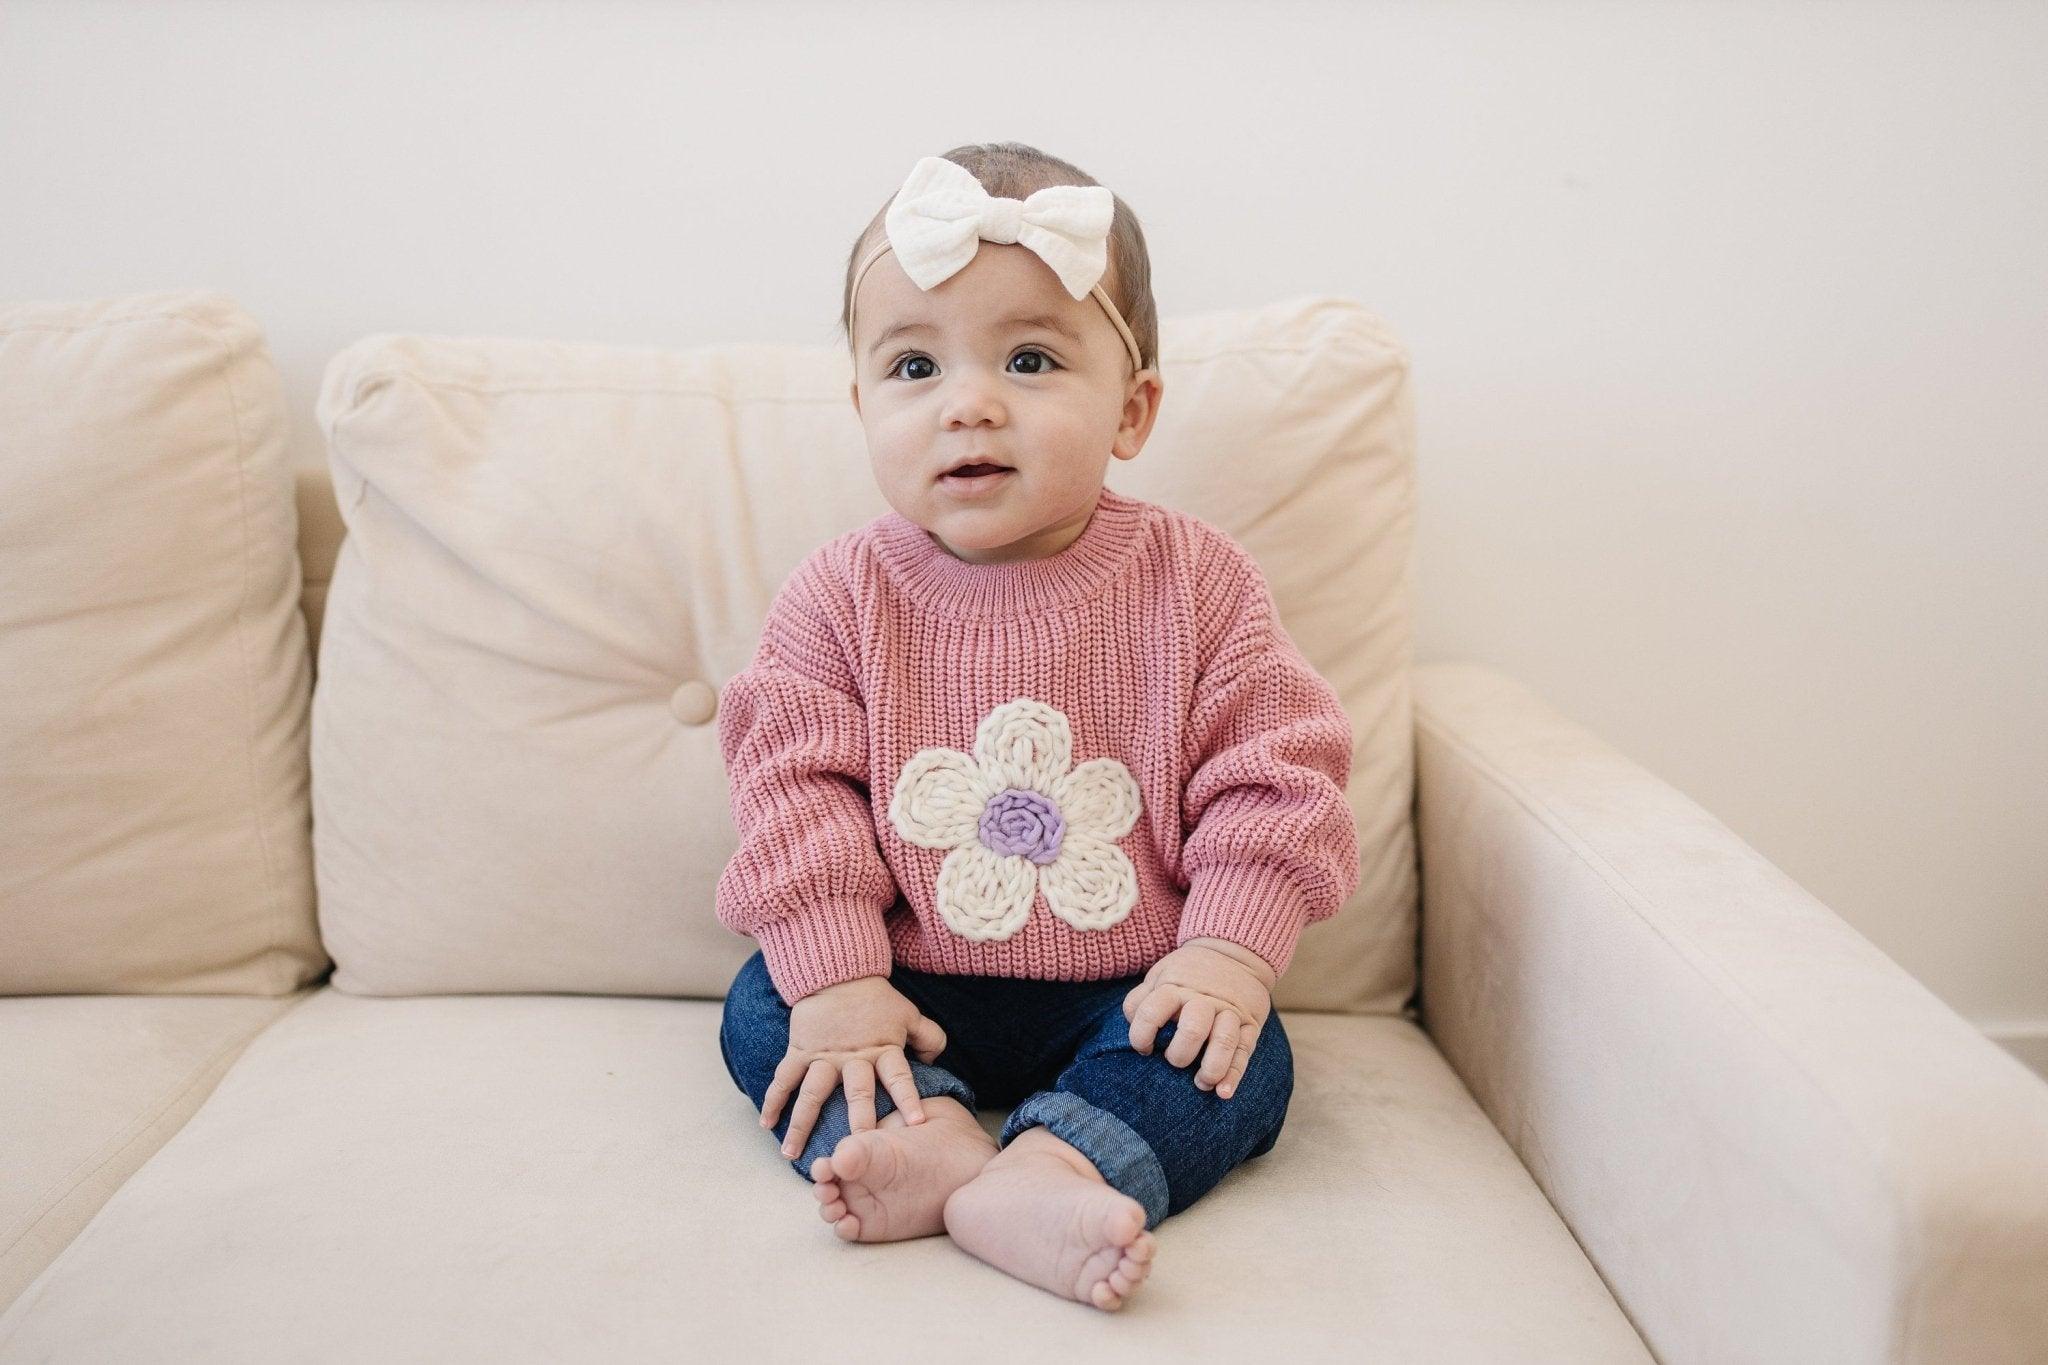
<point x="1772" y="1142"/>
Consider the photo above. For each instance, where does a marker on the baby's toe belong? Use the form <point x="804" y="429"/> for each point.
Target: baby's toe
<point x="852" y="1155"/>
<point x="848" y="1228"/>
<point x="1134" y="1266"/>
<point x="1124" y="1225"/>
<point x="1105" y="1297"/>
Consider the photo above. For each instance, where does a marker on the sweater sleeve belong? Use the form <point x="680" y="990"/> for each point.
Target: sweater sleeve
<point x="808" y="880"/>
<point x="1270" y="846"/>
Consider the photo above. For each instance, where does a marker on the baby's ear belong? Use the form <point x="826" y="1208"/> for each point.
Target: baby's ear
<point x="853" y="392"/>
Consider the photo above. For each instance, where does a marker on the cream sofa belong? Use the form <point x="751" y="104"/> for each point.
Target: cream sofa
<point x="378" y="1020"/>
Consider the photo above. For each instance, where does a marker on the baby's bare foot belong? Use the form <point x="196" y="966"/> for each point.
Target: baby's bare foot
<point x="1048" y="1217"/>
<point x="890" y="1182"/>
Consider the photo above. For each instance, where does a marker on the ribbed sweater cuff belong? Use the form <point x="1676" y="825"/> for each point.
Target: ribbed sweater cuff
<point x="822" y="946"/>
<point x="1249" y="904"/>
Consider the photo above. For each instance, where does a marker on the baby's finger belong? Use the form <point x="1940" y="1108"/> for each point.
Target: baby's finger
<point x="819" y="1083"/>
<point x="1158" y="1007"/>
<point x="1134" y="995"/>
<point x="1247" y="1039"/>
<point x="788" y="1072"/>
<point x="860" y="1094"/>
<point x="1222" y="1050"/>
<point x="1192" y="1031"/>
<point x="895" y="1070"/>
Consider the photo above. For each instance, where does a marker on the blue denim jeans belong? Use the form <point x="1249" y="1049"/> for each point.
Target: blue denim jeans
<point x="1060" y="1052"/>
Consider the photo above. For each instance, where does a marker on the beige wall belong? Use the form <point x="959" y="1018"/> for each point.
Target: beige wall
<point x="1730" y="320"/>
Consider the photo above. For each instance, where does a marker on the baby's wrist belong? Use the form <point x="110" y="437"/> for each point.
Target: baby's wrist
<point x="1237" y="952"/>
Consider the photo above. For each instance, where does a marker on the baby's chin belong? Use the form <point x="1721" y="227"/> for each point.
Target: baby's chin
<point x="985" y="531"/>
<point x="987" y="522"/>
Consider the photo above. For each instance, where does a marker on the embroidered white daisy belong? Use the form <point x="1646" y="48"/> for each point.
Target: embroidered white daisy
<point x="1020" y="819"/>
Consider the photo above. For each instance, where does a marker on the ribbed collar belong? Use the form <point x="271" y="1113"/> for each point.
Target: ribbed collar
<point x="937" y="579"/>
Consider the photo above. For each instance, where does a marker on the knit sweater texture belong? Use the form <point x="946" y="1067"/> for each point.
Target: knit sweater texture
<point x="1059" y="768"/>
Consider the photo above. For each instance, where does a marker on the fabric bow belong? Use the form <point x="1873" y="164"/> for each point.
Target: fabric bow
<point x="940" y="216"/>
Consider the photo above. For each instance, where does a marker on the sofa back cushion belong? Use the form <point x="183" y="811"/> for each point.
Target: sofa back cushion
<point x="154" y="818"/>
<point x="556" y="553"/>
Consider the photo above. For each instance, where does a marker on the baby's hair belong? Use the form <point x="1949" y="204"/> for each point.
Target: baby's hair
<point x="1012" y="170"/>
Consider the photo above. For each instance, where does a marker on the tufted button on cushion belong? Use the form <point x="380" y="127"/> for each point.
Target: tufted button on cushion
<point x="695" y="702"/>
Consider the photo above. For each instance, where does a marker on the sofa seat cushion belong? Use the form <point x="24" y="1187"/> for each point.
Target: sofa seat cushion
<point x="95" y="1084"/>
<point x="551" y="1177"/>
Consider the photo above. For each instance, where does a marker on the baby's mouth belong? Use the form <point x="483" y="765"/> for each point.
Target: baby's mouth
<point x="976" y="471"/>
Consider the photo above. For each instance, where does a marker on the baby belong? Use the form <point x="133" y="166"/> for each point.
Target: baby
<point x="1035" y="794"/>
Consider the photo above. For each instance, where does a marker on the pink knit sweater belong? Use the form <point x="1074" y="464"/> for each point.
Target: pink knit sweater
<point x="1060" y="768"/>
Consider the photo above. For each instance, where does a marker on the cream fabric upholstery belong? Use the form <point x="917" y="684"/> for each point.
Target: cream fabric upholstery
<point x="1773" y="1142"/>
<point x="153" y="666"/>
<point x="1667" y="1106"/>
<point x="557" y="552"/>
<point x="563" y="1178"/>
<point x="320" y="533"/>
<point x="90" y="1087"/>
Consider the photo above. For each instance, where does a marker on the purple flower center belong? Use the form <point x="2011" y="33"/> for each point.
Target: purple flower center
<point x="1021" y="821"/>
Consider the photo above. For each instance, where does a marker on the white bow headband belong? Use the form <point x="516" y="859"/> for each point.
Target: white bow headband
<point x="941" y="215"/>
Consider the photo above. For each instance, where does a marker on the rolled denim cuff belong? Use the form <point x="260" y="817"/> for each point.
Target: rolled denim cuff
<point x="1126" y="1160"/>
<point x="834" y="1122"/>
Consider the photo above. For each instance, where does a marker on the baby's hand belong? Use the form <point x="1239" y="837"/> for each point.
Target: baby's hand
<point x="1219" y="998"/>
<point x="856" y="1029"/>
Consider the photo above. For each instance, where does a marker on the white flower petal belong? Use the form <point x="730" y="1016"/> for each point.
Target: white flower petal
<point x="1025" y="743"/>
<point x="1100" y="797"/>
<point x="939" y="798"/>
<point x="1092" y="884"/>
<point x="983" y="894"/>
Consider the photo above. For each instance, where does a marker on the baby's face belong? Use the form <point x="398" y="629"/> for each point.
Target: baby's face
<point x="1053" y="400"/>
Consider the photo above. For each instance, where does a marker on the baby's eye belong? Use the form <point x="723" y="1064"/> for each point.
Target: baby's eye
<point x="1045" y="364"/>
